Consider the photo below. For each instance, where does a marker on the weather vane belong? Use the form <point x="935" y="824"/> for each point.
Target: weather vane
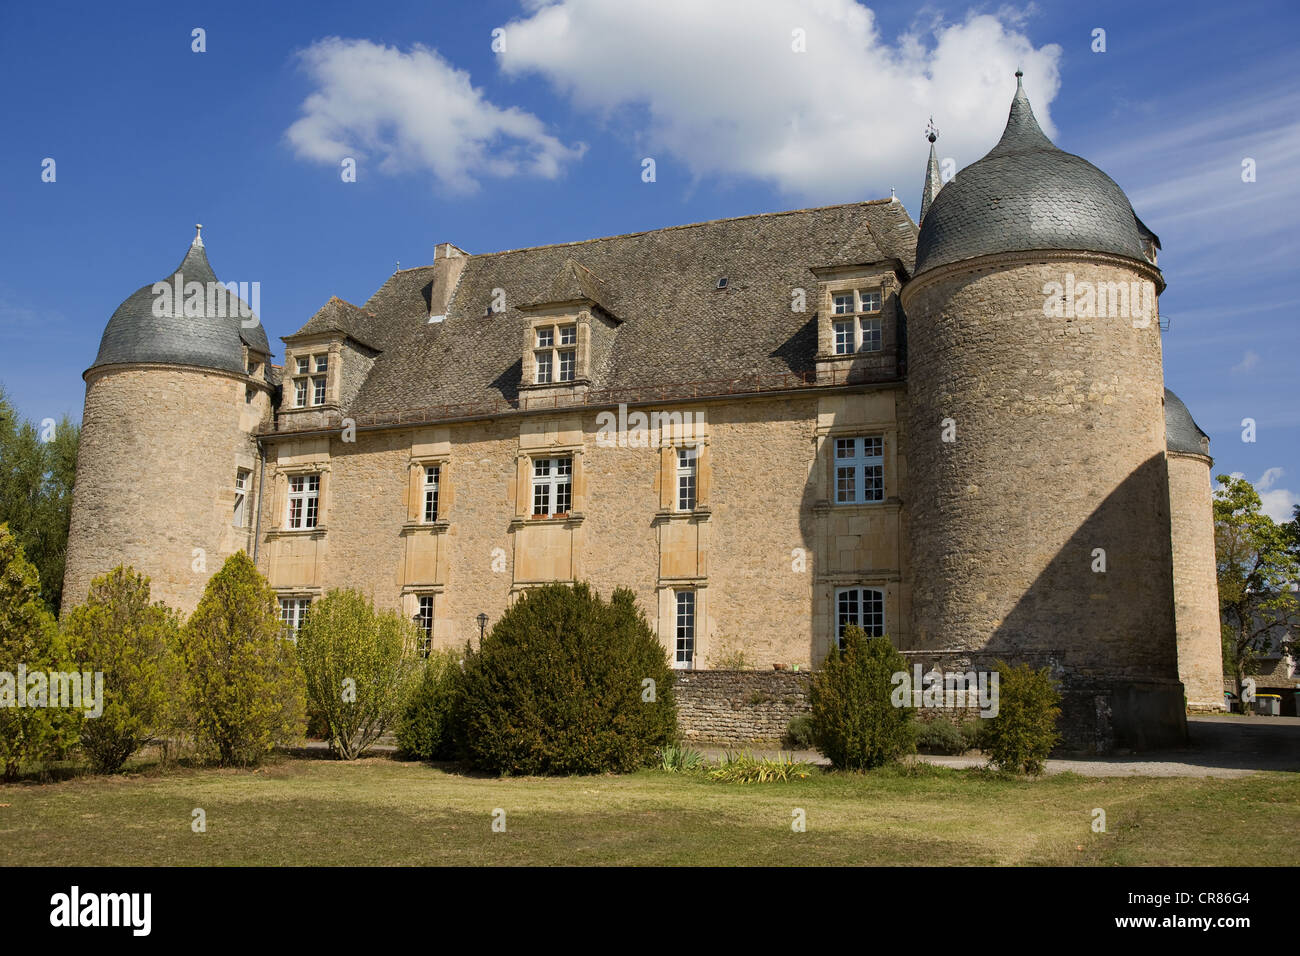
<point x="931" y="131"/>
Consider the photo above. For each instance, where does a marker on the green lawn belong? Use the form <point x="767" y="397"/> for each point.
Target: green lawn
<point x="381" y="811"/>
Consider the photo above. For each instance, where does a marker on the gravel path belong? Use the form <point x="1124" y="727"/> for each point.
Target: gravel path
<point x="1226" y="746"/>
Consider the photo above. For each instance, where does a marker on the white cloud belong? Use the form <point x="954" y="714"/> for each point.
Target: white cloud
<point x="414" y="111"/>
<point x="717" y="86"/>
<point x="1248" y="361"/>
<point x="1278" y="503"/>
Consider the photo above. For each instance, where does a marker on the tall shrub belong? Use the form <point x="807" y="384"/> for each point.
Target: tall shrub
<point x="34" y="733"/>
<point x="567" y="683"/>
<point x="1024" y="732"/>
<point x="425" y="728"/>
<point x="854" y="721"/>
<point x="243" y="685"/>
<point x="359" y="667"/>
<point x="120" y="633"/>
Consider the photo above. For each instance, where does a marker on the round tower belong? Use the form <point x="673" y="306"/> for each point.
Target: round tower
<point x="1038" y="500"/>
<point x="1196" y="584"/>
<point x="167" y="468"/>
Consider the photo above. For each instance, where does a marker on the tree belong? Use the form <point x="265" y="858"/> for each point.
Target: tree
<point x="36" y="479"/>
<point x="29" y="645"/>
<point x="1023" y="733"/>
<point x="132" y="642"/>
<point x="359" y="666"/>
<point x="567" y="683"/>
<point x="1259" y="572"/>
<point x="243" y="687"/>
<point x="855" y="722"/>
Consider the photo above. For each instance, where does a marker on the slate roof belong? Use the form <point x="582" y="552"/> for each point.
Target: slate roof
<point x="675" y="325"/>
<point x="1182" y="434"/>
<point x="135" y="334"/>
<point x="1027" y="194"/>
<point x="338" y="315"/>
<point x="575" y="281"/>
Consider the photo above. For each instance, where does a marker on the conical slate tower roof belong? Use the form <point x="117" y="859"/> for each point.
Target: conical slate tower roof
<point x="1182" y="434"/>
<point x="136" y="333"/>
<point x="1027" y="194"/>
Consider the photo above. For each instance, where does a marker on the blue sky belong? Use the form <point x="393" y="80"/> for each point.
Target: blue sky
<point x="544" y="141"/>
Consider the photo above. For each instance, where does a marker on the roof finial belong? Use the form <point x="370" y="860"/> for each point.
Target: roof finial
<point x="892" y="197"/>
<point x="931" y="131"/>
<point x="1019" y="75"/>
<point x="198" y="235"/>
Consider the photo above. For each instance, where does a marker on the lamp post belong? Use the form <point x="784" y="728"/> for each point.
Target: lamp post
<point x="482" y="626"/>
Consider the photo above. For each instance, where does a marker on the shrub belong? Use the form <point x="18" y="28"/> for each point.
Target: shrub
<point x="559" y="686"/>
<point x="744" y="767"/>
<point x="940" y="734"/>
<point x="854" y="721"/>
<point x="425" y="728"/>
<point x="799" y="733"/>
<point x="675" y="758"/>
<point x="359" y="667"/>
<point x="131" y="641"/>
<point x="28" y="637"/>
<point x="243" y="687"/>
<point x="1023" y="733"/>
<point x="972" y="732"/>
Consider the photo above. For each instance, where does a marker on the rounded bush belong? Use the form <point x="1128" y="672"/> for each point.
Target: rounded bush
<point x="425" y="729"/>
<point x="940" y="735"/>
<point x="1023" y="733"/>
<point x="799" y="733"/>
<point x="566" y="683"/>
<point x="360" y="668"/>
<point x="855" y="722"/>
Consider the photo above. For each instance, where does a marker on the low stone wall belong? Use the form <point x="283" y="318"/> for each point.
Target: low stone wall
<point x="1097" y="716"/>
<point x="739" y="707"/>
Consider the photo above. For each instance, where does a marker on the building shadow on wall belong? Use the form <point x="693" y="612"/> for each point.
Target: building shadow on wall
<point x="1101" y="616"/>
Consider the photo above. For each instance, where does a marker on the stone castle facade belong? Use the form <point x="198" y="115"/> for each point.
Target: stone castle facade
<point x="768" y="427"/>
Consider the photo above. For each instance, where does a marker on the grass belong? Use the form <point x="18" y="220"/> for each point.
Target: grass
<point x="380" y="811"/>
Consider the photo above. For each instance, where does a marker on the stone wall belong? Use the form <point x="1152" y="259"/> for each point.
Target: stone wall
<point x="1196" y="585"/>
<point x="155" y="485"/>
<point x="739" y="707"/>
<point x="763" y="550"/>
<point x="1058" y="461"/>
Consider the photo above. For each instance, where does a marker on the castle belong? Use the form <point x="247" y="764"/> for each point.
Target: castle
<point x="769" y="427"/>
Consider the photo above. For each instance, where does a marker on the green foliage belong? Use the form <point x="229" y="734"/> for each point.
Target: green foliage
<point x="29" y="638"/>
<point x="675" y="758"/>
<point x="558" y="687"/>
<point x="36" y="480"/>
<point x="131" y="641"/>
<point x="243" y="687"/>
<point x="744" y="767"/>
<point x="1023" y="733"/>
<point x="1258" y="575"/>
<point x="940" y="734"/>
<point x="855" y="723"/>
<point x="425" y="728"/>
<point x="359" y="667"/>
<point x="799" y="733"/>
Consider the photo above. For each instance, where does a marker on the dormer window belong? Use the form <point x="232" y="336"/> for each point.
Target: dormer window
<point x="555" y="353"/>
<point x="310" y="380"/>
<point x="857" y="321"/>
